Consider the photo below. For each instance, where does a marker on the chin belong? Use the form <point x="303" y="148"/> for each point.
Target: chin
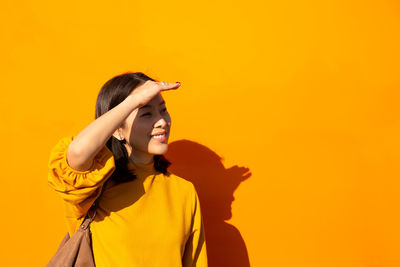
<point x="159" y="150"/>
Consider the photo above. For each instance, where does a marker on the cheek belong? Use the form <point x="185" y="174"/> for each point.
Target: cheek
<point x="139" y="133"/>
<point x="141" y="130"/>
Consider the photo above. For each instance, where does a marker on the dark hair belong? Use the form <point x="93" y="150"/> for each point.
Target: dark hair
<point x="113" y="92"/>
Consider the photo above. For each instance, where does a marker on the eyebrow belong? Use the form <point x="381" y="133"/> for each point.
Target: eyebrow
<point x="149" y="106"/>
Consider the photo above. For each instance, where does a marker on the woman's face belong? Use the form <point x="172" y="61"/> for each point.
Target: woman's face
<point x="146" y="131"/>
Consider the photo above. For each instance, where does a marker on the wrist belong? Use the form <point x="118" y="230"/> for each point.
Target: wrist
<point x="132" y="102"/>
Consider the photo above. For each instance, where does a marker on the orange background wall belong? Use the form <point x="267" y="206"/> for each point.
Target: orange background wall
<point x="305" y="94"/>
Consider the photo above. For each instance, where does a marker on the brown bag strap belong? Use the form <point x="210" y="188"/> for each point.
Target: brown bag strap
<point x="88" y="219"/>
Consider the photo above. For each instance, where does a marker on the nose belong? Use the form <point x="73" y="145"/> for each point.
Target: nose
<point x="161" y="123"/>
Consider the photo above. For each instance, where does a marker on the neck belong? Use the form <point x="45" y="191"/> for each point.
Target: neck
<point x="141" y="158"/>
<point x="138" y="157"/>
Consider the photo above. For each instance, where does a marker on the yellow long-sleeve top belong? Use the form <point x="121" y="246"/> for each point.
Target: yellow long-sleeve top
<point x="154" y="220"/>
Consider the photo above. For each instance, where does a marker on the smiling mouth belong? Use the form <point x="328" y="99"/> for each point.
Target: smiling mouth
<point x="160" y="137"/>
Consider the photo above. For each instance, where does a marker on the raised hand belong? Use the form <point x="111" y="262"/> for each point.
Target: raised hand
<point x="149" y="89"/>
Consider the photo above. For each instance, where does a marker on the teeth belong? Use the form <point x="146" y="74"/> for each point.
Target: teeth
<point x="159" y="136"/>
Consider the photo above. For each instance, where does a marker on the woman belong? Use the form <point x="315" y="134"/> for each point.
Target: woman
<point x="146" y="216"/>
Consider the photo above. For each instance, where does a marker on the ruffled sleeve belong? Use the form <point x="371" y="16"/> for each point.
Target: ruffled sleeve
<point x="78" y="189"/>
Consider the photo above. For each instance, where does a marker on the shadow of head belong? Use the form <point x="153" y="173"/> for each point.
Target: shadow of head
<point x="203" y="167"/>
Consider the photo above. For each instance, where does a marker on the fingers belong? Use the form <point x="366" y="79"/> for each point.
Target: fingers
<point x="168" y="86"/>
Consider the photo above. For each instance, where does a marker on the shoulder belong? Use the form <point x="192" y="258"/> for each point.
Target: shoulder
<point x="183" y="191"/>
<point x="179" y="183"/>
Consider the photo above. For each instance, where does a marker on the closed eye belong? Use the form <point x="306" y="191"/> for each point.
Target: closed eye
<point x="149" y="114"/>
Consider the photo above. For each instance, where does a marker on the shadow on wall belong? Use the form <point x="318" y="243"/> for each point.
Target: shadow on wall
<point x="215" y="186"/>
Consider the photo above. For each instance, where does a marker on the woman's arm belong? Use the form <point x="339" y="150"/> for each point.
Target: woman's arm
<point x="195" y="253"/>
<point x="92" y="139"/>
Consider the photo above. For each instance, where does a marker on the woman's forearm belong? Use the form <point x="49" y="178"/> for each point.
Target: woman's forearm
<point x="93" y="138"/>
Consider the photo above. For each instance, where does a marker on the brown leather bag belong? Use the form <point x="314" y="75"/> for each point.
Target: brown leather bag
<point x="76" y="251"/>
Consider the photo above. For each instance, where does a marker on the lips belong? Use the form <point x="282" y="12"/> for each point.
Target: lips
<point x="159" y="133"/>
<point x="160" y="137"/>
